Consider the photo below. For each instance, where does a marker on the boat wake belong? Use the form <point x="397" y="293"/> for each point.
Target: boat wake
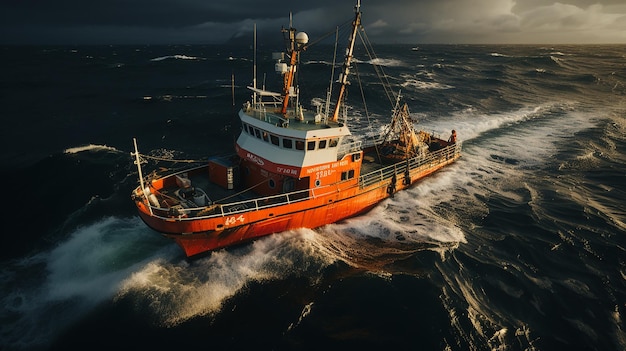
<point x="506" y="161"/>
<point x="85" y="270"/>
<point x="505" y="155"/>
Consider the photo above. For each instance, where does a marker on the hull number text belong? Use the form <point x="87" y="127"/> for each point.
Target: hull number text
<point x="233" y="220"/>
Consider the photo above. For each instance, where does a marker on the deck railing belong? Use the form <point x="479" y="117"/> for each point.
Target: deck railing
<point x="378" y="176"/>
<point x="399" y="168"/>
<point x="229" y="209"/>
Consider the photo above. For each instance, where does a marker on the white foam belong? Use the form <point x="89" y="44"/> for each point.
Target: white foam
<point x="85" y="269"/>
<point x="387" y="62"/>
<point x="176" y="57"/>
<point x="176" y="291"/>
<point x="418" y="84"/>
<point x="498" y="153"/>
<point x="90" y="147"/>
<point x="429" y="215"/>
<point x="306" y="310"/>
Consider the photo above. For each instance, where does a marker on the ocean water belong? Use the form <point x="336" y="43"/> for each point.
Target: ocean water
<point x="520" y="245"/>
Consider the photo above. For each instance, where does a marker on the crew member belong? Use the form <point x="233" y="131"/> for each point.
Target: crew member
<point x="452" y="139"/>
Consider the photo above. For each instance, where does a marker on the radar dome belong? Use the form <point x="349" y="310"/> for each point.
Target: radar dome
<point x="302" y="38"/>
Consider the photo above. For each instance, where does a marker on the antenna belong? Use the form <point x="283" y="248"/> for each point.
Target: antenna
<point x="254" y="68"/>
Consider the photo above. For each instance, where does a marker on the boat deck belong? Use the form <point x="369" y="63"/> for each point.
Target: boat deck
<point x="220" y="195"/>
<point x="232" y="197"/>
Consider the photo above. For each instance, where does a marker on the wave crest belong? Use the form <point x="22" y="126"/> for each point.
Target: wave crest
<point x="90" y="147"/>
<point x="175" y="57"/>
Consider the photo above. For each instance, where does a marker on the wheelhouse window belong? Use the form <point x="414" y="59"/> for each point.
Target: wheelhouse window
<point x="333" y="142"/>
<point x="287" y="143"/>
<point x="310" y="145"/>
<point x="274" y="139"/>
<point x="347" y="175"/>
<point x="322" y="144"/>
<point x="299" y="145"/>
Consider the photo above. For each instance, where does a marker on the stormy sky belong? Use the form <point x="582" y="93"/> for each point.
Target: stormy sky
<point x="386" y="21"/>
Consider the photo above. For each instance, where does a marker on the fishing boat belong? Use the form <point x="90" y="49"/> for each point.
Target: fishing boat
<point x="291" y="167"/>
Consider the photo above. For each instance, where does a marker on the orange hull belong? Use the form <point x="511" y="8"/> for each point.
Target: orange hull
<point x="199" y="235"/>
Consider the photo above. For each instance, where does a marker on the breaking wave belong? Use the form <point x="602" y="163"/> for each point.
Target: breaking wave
<point x="90" y="147"/>
<point x="175" y="57"/>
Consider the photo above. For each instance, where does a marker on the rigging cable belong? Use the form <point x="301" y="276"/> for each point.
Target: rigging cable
<point x="332" y="76"/>
<point x="367" y="114"/>
<point x="170" y="160"/>
<point x="367" y="45"/>
<point x="381" y="76"/>
<point x="326" y="35"/>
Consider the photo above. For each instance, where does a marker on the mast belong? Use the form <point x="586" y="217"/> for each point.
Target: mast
<point x="343" y="76"/>
<point x="288" y="79"/>
<point x="296" y="43"/>
<point x="138" y="163"/>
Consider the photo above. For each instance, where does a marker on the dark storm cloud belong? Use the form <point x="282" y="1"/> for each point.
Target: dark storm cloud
<point x="138" y="20"/>
<point x="139" y="13"/>
<point x="407" y="21"/>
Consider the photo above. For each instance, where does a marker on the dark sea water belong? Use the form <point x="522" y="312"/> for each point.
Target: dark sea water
<point x="520" y="245"/>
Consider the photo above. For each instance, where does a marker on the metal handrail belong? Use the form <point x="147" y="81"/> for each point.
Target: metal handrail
<point x="398" y="168"/>
<point x="256" y="204"/>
